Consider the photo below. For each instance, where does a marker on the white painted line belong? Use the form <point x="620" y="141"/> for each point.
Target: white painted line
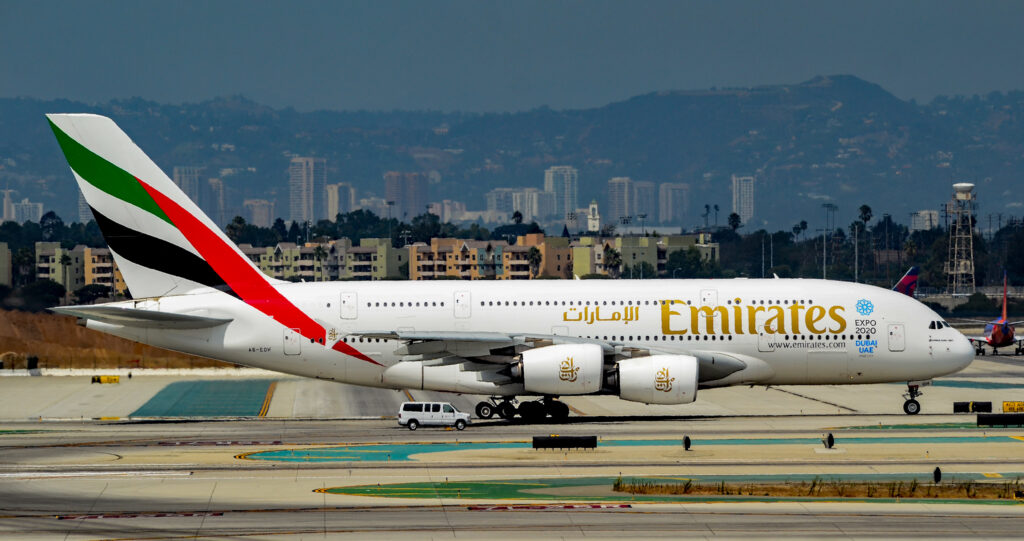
<point x="45" y="475"/>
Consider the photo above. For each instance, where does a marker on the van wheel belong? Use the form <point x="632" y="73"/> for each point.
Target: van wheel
<point x="413" y="424"/>
<point x="460" y="424"/>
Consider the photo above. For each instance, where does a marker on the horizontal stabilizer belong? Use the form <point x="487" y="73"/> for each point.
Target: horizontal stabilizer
<point x="133" y="317"/>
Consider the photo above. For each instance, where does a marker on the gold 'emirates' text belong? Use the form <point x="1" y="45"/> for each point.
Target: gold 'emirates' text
<point x="792" y="319"/>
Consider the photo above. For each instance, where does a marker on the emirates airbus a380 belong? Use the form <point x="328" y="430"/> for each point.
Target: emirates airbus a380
<point x="655" y="342"/>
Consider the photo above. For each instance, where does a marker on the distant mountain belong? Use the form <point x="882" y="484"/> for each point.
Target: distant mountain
<point x="830" y="139"/>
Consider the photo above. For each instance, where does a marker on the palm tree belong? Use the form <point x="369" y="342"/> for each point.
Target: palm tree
<point x="612" y="261"/>
<point x="865" y="214"/>
<point x="734" y="221"/>
<point x="318" y="255"/>
<point x="534" y="257"/>
<point x="65" y="260"/>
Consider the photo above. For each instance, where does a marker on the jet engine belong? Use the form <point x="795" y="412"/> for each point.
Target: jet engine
<point x="563" y="369"/>
<point x="658" y="379"/>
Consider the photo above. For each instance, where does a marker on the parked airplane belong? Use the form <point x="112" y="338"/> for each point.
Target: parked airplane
<point x="655" y="341"/>
<point x="908" y="284"/>
<point x="999" y="333"/>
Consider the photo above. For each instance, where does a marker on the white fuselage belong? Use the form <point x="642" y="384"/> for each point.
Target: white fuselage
<point x="787" y="331"/>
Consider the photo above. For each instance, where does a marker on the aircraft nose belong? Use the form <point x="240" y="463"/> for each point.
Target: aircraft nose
<point x="960" y="355"/>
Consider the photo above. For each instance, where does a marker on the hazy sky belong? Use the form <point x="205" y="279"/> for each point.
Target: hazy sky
<point x="495" y="56"/>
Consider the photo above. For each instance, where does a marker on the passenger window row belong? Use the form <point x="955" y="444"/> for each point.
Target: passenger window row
<point x="404" y="304"/>
<point x="630" y="303"/>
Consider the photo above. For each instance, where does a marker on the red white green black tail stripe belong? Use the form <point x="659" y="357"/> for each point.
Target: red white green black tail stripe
<point x="163" y="243"/>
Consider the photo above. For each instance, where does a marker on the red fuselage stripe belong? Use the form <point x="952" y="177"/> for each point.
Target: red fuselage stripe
<point x="242" y="278"/>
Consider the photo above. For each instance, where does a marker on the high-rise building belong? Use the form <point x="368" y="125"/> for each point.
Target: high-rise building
<point x="190" y="179"/>
<point x="533" y="203"/>
<point x="924" y="220"/>
<point x="408" y="191"/>
<point x="84" y="212"/>
<point x="500" y="200"/>
<point x="341" y="199"/>
<point x="448" y="210"/>
<point x="260" y="211"/>
<point x="214" y="201"/>
<point x="743" y="197"/>
<point x="563" y="181"/>
<point x="645" y="200"/>
<point x="376" y="205"/>
<point x="620" y="199"/>
<point x="8" y="209"/>
<point x="307" y="178"/>
<point x="673" y="202"/>
<point x="27" y="211"/>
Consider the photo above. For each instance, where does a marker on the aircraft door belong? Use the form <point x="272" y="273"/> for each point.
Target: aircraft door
<point x="292" y="342"/>
<point x="764" y="340"/>
<point x="897" y="337"/>
<point x="709" y="297"/>
<point x="349" y="305"/>
<point x="463" y="304"/>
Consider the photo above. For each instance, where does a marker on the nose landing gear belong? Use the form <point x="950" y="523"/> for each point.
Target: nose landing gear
<point x="912" y="406"/>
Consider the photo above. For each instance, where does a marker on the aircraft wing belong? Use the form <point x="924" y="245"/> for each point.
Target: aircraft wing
<point x="503" y="348"/>
<point x="131" y="317"/>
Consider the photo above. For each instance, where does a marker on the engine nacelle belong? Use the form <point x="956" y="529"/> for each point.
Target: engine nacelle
<point x="659" y="379"/>
<point x="563" y="369"/>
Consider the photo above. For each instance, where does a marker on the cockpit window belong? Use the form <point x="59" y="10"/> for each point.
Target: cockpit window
<point x="931" y="325"/>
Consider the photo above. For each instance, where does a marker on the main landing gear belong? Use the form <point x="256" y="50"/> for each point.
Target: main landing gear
<point x="912" y="406"/>
<point x="534" y="411"/>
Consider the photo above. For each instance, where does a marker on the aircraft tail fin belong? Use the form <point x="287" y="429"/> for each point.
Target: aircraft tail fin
<point x="1004" y="294"/>
<point x="908" y="284"/>
<point x="162" y="242"/>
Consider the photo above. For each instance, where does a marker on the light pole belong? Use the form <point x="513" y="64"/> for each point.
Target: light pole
<point x="643" y="218"/>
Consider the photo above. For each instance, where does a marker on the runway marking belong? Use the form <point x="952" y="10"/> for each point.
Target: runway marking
<point x="49" y="475"/>
<point x="541" y="506"/>
<point x="266" y="400"/>
<point x="408" y="395"/>
<point x="404" y="451"/>
<point x="575" y="410"/>
<point x="851" y="410"/>
<point x="992" y="475"/>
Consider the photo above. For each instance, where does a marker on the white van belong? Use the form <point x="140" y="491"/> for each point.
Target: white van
<point x="414" y="414"/>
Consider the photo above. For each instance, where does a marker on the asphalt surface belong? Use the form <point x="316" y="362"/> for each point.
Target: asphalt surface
<point x="155" y="477"/>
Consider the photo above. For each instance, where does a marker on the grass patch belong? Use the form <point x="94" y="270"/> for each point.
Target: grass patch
<point x="829" y="488"/>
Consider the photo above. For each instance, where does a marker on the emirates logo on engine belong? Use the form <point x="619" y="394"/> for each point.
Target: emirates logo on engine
<point x="568" y="371"/>
<point x="662" y="381"/>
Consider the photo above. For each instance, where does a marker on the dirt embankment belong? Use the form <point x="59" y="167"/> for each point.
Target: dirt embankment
<point x="59" y="342"/>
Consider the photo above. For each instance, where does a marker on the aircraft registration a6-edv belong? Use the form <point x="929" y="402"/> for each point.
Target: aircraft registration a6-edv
<point x="655" y="341"/>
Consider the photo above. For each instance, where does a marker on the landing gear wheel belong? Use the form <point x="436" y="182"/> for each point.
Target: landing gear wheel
<point x="506" y="410"/>
<point x="460" y="424"/>
<point x="558" y="411"/>
<point x="485" y="410"/>
<point x="912" y="406"/>
<point x="413" y="424"/>
<point x="532" y="412"/>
